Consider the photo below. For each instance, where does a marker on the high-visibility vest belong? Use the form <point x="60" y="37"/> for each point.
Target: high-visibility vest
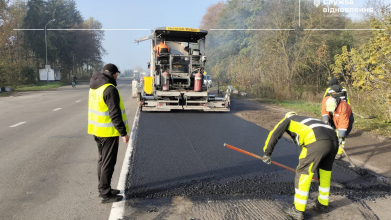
<point x="99" y="121"/>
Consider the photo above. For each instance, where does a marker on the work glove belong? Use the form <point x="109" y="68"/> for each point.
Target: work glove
<point x="267" y="159"/>
<point x="341" y="142"/>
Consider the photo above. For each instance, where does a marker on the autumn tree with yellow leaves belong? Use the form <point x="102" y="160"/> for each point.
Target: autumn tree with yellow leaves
<point x="368" y="69"/>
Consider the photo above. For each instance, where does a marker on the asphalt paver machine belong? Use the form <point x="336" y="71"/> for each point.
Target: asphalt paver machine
<point x="177" y="73"/>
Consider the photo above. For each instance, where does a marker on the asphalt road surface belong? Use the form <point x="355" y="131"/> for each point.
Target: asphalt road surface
<point x="47" y="159"/>
<point x="181" y="170"/>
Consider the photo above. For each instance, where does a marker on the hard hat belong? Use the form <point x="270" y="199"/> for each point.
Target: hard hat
<point x="331" y="104"/>
<point x="289" y="114"/>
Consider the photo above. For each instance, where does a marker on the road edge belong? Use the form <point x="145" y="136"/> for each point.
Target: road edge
<point x="117" y="209"/>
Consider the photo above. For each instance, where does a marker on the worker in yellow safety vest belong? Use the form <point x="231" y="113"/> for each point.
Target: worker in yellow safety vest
<point x="106" y="122"/>
<point x="319" y="145"/>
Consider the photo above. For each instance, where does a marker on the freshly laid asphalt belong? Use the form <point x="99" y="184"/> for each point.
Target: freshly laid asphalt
<point x="182" y="154"/>
<point x="183" y="148"/>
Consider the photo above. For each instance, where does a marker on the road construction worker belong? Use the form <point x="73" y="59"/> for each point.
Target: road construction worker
<point x="106" y="122"/>
<point x="336" y="88"/>
<point x="160" y="46"/>
<point x="319" y="146"/>
<point x="337" y="113"/>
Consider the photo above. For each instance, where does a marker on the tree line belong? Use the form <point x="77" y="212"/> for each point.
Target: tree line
<point x="277" y="55"/>
<point x="23" y="52"/>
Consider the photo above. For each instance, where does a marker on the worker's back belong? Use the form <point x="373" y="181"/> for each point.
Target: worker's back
<point x="310" y="130"/>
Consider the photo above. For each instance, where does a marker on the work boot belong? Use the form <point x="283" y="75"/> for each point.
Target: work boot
<point x="293" y="212"/>
<point x="318" y="207"/>
<point x="338" y="156"/>
<point x="112" y="191"/>
<point x="110" y="198"/>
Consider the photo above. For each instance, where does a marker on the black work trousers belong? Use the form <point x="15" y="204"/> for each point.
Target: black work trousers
<point x="316" y="156"/>
<point x="108" y="150"/>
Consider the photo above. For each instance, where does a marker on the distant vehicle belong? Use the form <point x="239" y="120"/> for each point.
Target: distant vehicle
<point x="208" y="81"/>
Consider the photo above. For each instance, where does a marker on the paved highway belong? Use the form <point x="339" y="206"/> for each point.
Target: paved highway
<point x="47" y="159"/>
<point x="179" y="168"/>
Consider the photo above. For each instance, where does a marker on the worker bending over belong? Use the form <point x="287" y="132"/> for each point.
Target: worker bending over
<point x="337" y="113"/>
<point x="319" y="146"/>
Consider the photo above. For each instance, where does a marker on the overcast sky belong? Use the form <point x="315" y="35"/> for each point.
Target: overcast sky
<point x="143" y="14"/>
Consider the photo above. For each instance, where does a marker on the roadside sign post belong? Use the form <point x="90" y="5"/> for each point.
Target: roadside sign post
<point x="47" y="68"/>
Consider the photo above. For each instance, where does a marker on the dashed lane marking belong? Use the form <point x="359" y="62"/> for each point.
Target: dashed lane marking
<point x="78" y="100"/>
<point x="56" y="109"/>
<point x="17" y="124"/>
<point x="118" y="208"/>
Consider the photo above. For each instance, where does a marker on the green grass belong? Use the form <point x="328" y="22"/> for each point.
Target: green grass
<point x="375" y="125"/>
<point x="372" y="125"/>
<point x="40" y="86"/>
<point x="5" y="94"/>
<point x="313" y="109"/>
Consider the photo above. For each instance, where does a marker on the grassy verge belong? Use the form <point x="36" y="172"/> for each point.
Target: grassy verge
<point x="39" y="86"/>
<point x="375" y="125"/>
<point x="5" y="94"/>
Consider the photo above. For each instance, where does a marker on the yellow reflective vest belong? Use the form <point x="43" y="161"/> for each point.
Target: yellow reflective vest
<point x="303" y="130"/>
<point x="99" y="121"/>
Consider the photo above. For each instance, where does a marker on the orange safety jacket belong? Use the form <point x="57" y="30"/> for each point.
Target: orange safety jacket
<point x="342" y="116"/>
<point x="157" y="48"/>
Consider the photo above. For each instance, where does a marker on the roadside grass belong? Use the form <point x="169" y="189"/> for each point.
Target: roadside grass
<point x="376" y="126"/>
<point x="309" y="108"/>
<point x="39" y="86"/>
<point x="5" y="94"/>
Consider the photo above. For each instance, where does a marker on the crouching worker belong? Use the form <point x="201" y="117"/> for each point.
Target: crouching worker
<point x="337" y="113"/>
<point x="319" y="146"/>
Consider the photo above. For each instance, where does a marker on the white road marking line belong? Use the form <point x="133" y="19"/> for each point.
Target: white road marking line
<point x="78" y="100"/>
<point x="56" y="109"/>
<point x="17" y="124"/>
<point x="117" y="210"/>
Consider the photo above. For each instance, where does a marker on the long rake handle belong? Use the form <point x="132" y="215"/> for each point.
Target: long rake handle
<point x="350" y="161"/>
<point x="261" y="158"/>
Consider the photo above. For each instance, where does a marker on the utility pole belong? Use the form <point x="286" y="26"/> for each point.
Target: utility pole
<point x="46" y="45"/>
